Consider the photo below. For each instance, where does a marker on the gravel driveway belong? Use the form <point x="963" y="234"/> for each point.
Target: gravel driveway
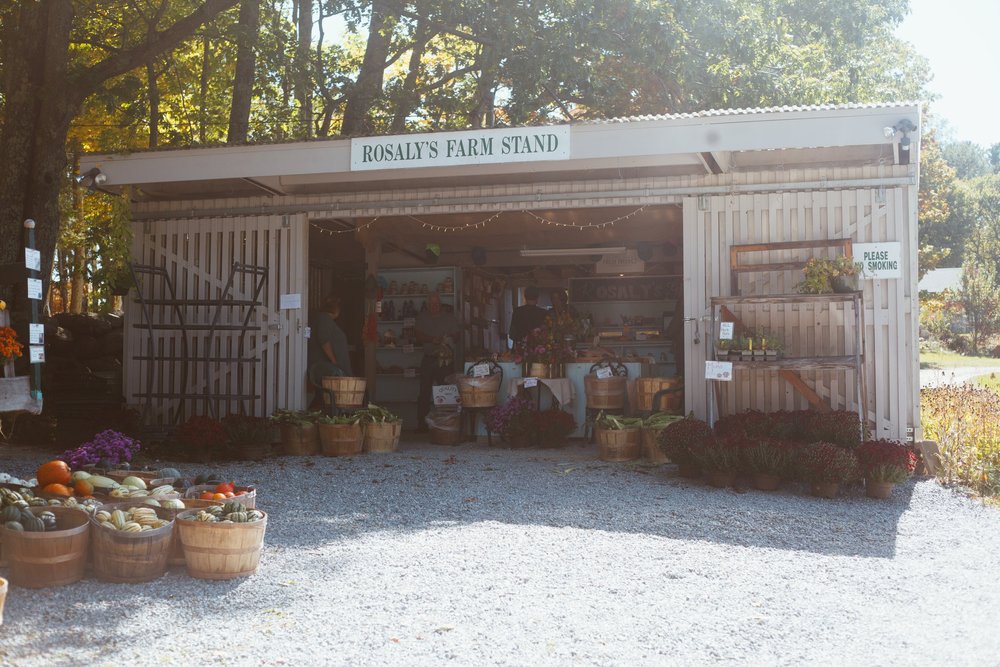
<point x="477" y="556"/>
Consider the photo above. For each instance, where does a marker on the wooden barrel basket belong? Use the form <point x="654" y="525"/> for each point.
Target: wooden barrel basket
<point x="131" y="558"/>
<point x="244" y="494"/>
<point x="646" y="389"/>
<point x="220" y="550"/>
<point x="341" y="439"/>
<point x="381" y="438"/>
<point x="605" y="393"/>
<point x="299" y="439"/>
<point x="619" y="444"/>
<point x="3" y="596"/>
<point x="479" y="392"/>
<point x="651" y="446"/>
<point x="348" y="392"/>
<point x="51" y="558"/>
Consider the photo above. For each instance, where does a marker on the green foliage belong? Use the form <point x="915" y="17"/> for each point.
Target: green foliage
<point x="821" y="271"/>
<point x="980" y="296"/>
<point x="969" y="160"/>
<point x="965" y="422"/>
<point x="937" y="181"/>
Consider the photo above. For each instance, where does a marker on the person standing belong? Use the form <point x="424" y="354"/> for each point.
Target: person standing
<point x="527" y="317"/>
<point x="436" y="330"/>
<point x="328" y="352"/>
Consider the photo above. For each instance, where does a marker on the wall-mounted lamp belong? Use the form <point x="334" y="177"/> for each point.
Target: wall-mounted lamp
<point x="92" y="178"/>
<point x="904" y="126"/>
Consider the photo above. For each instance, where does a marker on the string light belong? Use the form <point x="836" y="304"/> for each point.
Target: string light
<point x="486" y="221"/>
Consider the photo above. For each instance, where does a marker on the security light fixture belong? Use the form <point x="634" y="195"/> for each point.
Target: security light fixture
<point x="92" y="178"/>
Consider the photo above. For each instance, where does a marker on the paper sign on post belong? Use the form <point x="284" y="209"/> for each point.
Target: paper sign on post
<point x="33" y="259"/>
<point x="726" y="330"/>
<point x="603" y="373"/>
<point x="480" y="370"/>
<point x="37" y="354"/>
<point x="530" y="382"/>
<point x="719" y="370"/>
<point x="36" y="334"/>
<point x="289" y="301"/>
<point x="378" y="307"/>
<point x="35" y="288"/>
<point x="445" y="394"/>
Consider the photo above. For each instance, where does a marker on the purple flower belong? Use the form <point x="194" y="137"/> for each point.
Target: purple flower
<point x="111" y="445"/>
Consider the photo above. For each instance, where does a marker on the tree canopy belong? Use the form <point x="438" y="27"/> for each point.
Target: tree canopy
<point x="130" y="74"/>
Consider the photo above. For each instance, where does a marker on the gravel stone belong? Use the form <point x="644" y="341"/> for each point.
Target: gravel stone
<point x="479" y="556"/>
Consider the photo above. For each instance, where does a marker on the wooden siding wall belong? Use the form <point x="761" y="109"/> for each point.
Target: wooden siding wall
<point x="198" y="256"/>
<point x="713" y="224"/>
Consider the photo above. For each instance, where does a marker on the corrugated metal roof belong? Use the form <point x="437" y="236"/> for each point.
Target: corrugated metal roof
<point x="715" y="113"/>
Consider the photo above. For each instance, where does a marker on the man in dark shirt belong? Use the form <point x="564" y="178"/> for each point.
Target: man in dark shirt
<point x="328" y="351"/>
<point x="527" y="317"/>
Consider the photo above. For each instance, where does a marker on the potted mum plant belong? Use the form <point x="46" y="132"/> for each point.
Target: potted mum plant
<point x="202" y="439"/>
<point x="553" y="426"/>
<point x="827" y="276"/>
<point x="719" y="460"/>
<point x="885" y="463"/>
<point x="825" y="466"/>
<point x="679" y="442"/>
<point x="768" y="460"/>
<point x="249" y="436"/>
<point x="514" y="421"/>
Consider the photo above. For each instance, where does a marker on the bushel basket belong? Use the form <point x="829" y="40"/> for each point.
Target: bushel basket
<point x="348" y="392"/>
<point x="382" y="437"/>
<point x="299" y="439"/>
<point x="214" y="550"/>
<point x="479" y="392"/>
<point x="340" y="439"/>
<point x="129" y="558"/>
<point x="605" y="393"/>
<point x="646" y="389"/>
<point x="619" y="444"/>
<point x="53" y="557"/>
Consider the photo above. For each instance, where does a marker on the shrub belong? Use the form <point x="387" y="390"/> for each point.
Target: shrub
<point x="680" y="440"/>
<point x="886" y="460"/>
<point x="965" y="422"/>
<point x="247" y="430"/>
<point x="826" y="462"/>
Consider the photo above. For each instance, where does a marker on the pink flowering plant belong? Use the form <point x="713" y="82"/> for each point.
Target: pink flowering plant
<point x="513" y="419"/>
<point x="108" y="448"/>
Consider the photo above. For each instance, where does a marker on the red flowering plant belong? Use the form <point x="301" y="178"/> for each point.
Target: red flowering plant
<point x="768" y="456"/>
<point x="680" y="440"/>
<point x="553" y="426"/>
<point x="514" y="420"/>
<point x="825" y="462"/>
<point x="751" y="423"/>
<point x="838" y="426"/>
<point x="202" y="437"/>
<point x="886" y="461"/>
<point x="719" y="454"/>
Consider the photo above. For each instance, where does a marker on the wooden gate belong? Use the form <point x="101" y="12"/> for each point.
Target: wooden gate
<point x="176" y="371"/>
<point x="714" y="223"/>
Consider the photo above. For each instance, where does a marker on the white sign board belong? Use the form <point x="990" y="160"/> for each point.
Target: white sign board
<point x="446" y="394"/>
<point x="33" y="259"/>
<point x="289" y="301"/>
<point x="480" y="370"/>
<point x="36" y="334"/>
<point x="719" y="370"/>
<point x="603" y="373"/>
<point x="35" y="288"/>
<point x="726" y="330"/>
<point x="36" y="353"/>
<point x="530" y="382"/>
<point x="491" y="146"/>
<point x="879" y="260"/>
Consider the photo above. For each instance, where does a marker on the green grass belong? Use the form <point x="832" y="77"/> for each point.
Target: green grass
<point x="991" y="381"/>
<point x="954" y="360"/>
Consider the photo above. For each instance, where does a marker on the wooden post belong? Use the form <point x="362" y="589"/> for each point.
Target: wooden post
<point x="373" y="256"/>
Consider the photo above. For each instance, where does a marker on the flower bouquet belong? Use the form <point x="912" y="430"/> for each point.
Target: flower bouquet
<point x="551" y="344"/>
<point x="10" y="347"/>
<point x="514" y="420"/>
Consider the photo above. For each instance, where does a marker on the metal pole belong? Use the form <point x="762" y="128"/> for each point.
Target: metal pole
<point x="36" y="386"/>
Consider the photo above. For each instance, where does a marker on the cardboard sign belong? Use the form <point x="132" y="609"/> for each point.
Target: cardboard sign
<point x="36" y="334"/>
<point x="603" y="373"/>
<point x="530" y="382"/>
<point x="289" y="301"/>
<point x="446" y="394"/>
<point x="33" y="259"/>
<point x="480" y="370"/>
<point x="719" y="370"/>
<point x="37" y="354"/>
<point x="726" y="330"/>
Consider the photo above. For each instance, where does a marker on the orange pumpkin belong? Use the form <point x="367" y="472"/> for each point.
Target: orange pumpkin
<point x="53" y="472"/>
<point x="206" y="495"/>
<point x="83" y="487"/>
<point x="58" y="490"/>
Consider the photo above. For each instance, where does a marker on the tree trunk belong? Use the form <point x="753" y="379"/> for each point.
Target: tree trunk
<point x="368" y="87"/>
<point x="206" y="54"/>
<point x="154" y="105"/>
<point x="246" y="66"/>
<point x="408" y="99"/>
<point x="303" y="69"/>
<point x="482" y="114"/>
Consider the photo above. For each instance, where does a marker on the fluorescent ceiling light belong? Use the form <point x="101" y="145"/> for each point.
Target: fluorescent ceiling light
<point x="573" y="252"/>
